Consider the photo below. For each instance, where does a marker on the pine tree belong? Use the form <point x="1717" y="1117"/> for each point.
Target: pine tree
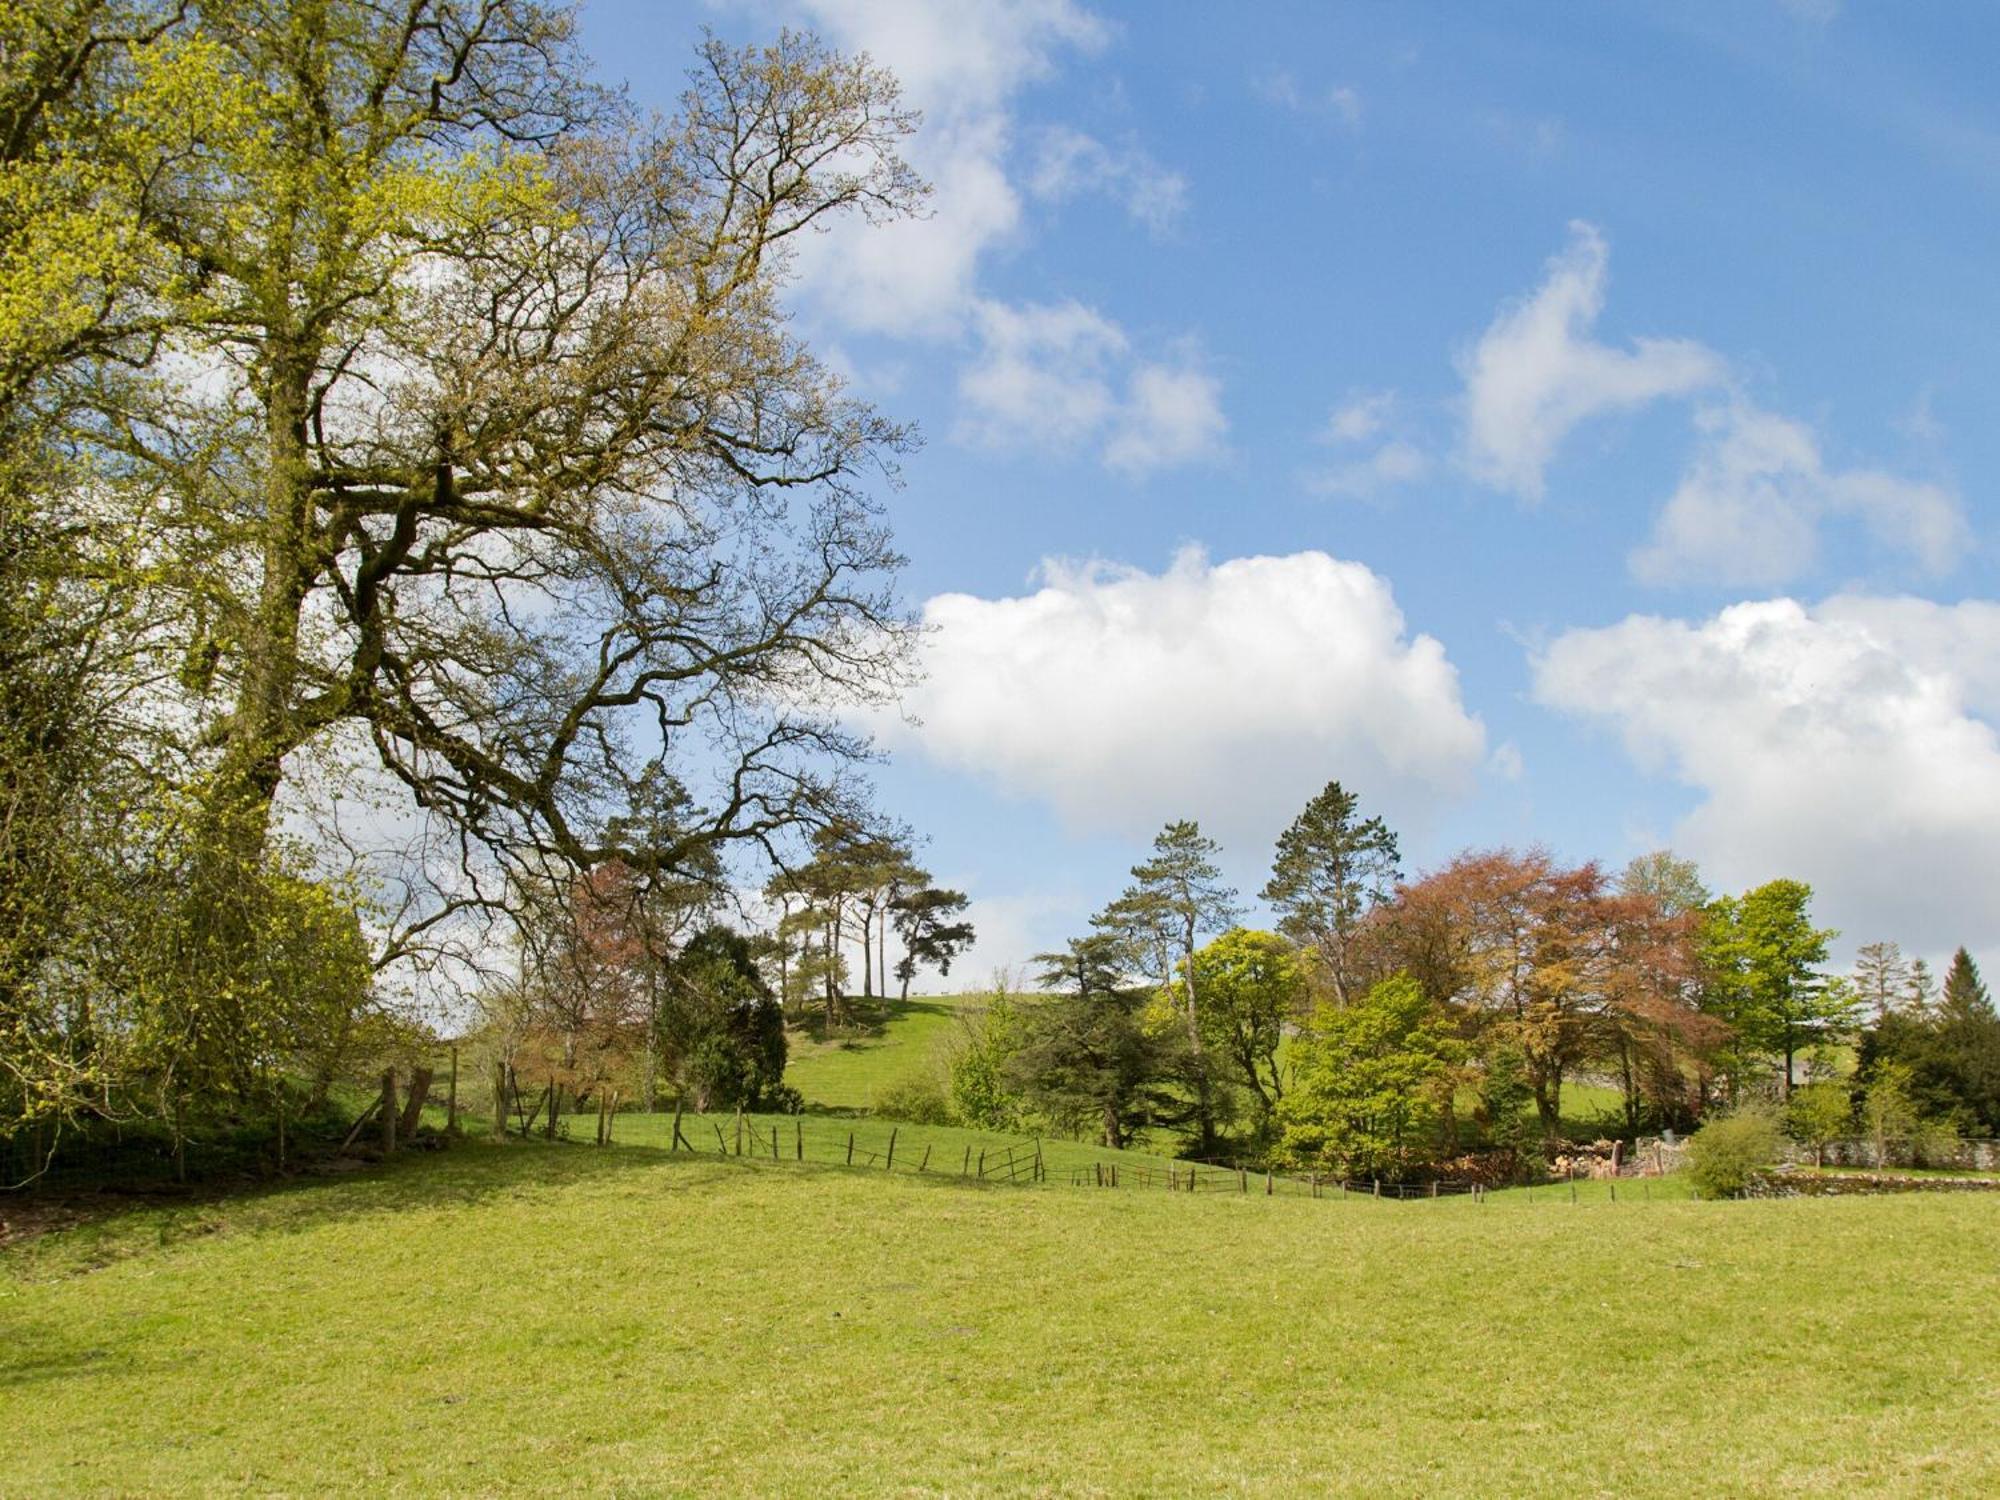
<point x="1176" y="896"/>
<point x="1921" y="992"/>
<point x="1331" y="866"/>
<point x="1881" y="978"/>
<point x="1965" y="996"/>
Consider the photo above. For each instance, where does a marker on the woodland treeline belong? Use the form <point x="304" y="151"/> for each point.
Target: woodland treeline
<point x="419" y="526"/>
<point x="1394" y="1027"/>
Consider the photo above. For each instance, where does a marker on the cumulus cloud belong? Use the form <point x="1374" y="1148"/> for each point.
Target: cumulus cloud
<point x="1069" y="163"/>
<point x="1850" y="744"/>
<point x="1054" y="377"/>
<point x="1751" y="506"/>
<point x="1228" y="692"/>
<point x="1537" y="373"/>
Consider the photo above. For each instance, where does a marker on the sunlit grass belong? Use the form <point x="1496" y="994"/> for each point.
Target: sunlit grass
<point x="632" y="1322"/>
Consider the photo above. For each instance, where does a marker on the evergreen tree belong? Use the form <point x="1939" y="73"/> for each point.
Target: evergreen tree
<point x="1332" y="865"/>
<point x="1176" y="896"/>
<point x="1965" y="996"/>
<point x="1881" y="978"/>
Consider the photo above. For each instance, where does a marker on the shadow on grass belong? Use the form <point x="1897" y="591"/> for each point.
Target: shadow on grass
<point x="868" y="1020"/>
<point x="469" y="1174"/>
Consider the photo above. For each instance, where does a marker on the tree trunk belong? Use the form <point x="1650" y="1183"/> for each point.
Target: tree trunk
<point x="867" y="953"/>
<point x="413" y="1103"/>
<point x="388" y="1111"/>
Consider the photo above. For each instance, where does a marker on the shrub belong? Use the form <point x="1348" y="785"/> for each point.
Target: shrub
<point x="915" y="1101"/>
<point x="1934" y="1143"/>
<point x="1724" y="1154"/>
<point x="978" y="1065"/>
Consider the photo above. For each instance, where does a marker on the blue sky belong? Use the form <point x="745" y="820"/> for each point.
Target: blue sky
<point x="1561" y="424"/>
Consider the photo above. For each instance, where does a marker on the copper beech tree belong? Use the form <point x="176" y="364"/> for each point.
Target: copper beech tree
<point x="1562" y="964"/>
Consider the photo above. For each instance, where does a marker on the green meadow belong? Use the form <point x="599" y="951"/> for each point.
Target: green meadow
<point x="634" y="1322"/>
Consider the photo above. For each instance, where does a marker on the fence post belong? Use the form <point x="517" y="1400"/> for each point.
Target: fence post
<point x="499" y="1100"/>
<point x="982" y="1163"/>
<point x="1242" y="1181"/>
<point x="721" y="1142"/>
<point x="1434" y="1188"/>
<point x="890" y="1165"/>
<point x="924" y="1165"/>
<point x="965" y="1167"/>
<point x="774" y="1142"/>
<point x="1267" y="1182"/>
<point x="850" y="1148"/>
<point x="799" y="1136"/>
<point x="739" y="1130"/>
<point x="1614" y="1190"/>
<point x="1378" y="1185"/>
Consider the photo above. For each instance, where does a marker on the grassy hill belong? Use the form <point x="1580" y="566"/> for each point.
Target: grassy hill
<point x="625" y="1321"/>
<point x="893" y="1040"/>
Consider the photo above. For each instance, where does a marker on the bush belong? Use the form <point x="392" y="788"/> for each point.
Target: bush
<point x="915" y="1101"/>
<point x="1935" y="1144"/>
<point x="1724" y="1154"/>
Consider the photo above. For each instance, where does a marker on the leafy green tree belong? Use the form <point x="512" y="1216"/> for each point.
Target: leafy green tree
<point x="1332" y="865"/>
<point x="1252" y="985"/>
<point x="1887" y="1112"/>
<point x="1763" y="957"/>
<point x="1818" y="1114"/>
<point x="981" y="1093"/>
<point x="1371" y="1083"/>
<point x="1673" y="884"/>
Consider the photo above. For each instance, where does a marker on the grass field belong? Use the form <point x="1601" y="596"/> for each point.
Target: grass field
<point x="625" y="1322"/>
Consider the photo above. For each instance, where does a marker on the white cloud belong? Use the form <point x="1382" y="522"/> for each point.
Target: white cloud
<point x="1041" y="376"/>
<point x="962" y="66"/>
<point x="1172" y="415"/>
<point x="1849" y="744"/>
<point x="1069" y="163"/>
<point x="1053" y="377"/>
<point x="1359" y="418"/>
<point x="1397" y="462"/>
<point x="1750" y="508"/>
<point x="1228" y="692"/>
<point x="1536" y="373"/>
